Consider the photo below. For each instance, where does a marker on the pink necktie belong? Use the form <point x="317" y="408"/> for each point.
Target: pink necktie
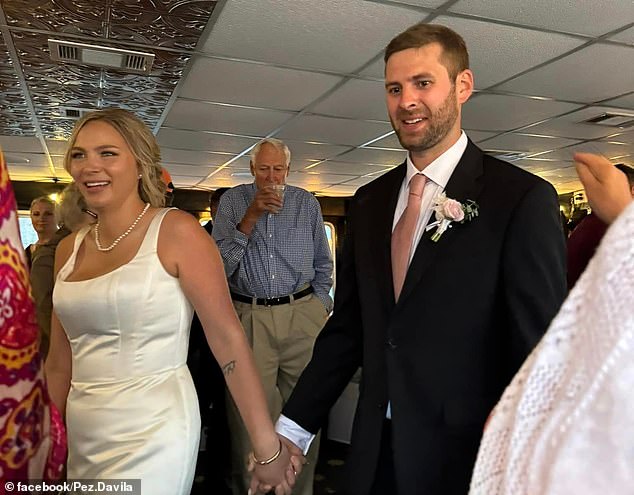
<point x="404" y="233"/>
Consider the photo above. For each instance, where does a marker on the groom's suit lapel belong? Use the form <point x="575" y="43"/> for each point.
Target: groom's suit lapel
<point x="384" y="220"/>
<point x="465" y="183"/>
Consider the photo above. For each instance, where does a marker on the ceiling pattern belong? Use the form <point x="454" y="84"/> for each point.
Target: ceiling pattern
<point x="228" y="73"/>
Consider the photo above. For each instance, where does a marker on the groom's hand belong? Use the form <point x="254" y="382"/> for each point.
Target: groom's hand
<point x="297" y="456"/>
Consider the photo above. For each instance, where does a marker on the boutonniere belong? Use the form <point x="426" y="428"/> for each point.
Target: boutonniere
<point x="449" y="210"/>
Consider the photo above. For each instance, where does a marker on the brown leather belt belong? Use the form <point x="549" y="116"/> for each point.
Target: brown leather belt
<point x="273" y="301"/>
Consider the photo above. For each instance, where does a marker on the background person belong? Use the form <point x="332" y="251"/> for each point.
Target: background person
<point x="587" y="235"/>
<point x="279" y="266"/>
<point x="71" y="215"/>
<point x="564" y="424"/>
<point x="42" y="213"/>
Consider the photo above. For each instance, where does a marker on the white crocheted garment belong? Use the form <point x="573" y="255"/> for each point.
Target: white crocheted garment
<point x="565" y="424"/>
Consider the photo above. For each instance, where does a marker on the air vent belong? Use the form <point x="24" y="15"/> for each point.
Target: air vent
<point x="74" y="113"/>
<point x="621" y="120"/>
<point x="101" y="56"/>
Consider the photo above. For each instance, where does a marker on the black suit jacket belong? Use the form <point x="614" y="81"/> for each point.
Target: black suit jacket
<point x="473" y="306"/>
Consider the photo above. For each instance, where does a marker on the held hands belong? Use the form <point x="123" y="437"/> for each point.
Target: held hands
<point x="279" y="474"/>
<point x="606" y="186"/>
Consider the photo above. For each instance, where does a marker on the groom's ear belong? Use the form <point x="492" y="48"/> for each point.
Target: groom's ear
<point x="464" y="86"/>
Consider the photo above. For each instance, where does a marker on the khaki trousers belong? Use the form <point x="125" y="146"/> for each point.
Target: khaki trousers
<point x="282" y="339"/>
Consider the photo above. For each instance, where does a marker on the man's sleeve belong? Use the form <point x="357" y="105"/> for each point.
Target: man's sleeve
<point x="322" y="283"/>
<point x="534" y="269"/>
<point x="231" y="242"/>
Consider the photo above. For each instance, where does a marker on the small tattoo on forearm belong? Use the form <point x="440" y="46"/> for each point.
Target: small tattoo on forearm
<point x="228" y="368"/>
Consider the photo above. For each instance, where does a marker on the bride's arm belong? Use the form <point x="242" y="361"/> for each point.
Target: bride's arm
<point x="58" y="364"/>
<point x="187" y="252"/>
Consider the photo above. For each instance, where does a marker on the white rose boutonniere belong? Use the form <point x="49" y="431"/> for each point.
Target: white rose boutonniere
<point x="449" y="210"/>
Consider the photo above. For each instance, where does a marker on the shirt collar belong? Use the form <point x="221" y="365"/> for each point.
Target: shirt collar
<point x="439" y="171"/>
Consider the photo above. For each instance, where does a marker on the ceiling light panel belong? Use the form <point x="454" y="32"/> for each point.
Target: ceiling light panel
<point x="499" y="52"/>
<point x="581" y="16"/>
<point x="510" y="111"/>
<point x="317" y="35"/>
<point x="333" y="130"/>
<point x="192" y="115"/>
<point x="203" y="141"/>
<point x="254" y="84"/>
<point x="597" y="59"/>
<point x="357" y="98"/>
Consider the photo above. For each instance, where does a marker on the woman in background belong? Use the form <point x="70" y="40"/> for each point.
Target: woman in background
<point x="43" y="220"/>
<point x="71" y="215"/>
<point x="123" y="302"/>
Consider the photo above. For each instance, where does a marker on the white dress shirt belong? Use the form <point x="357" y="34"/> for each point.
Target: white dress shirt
<point x="437" y="173"/>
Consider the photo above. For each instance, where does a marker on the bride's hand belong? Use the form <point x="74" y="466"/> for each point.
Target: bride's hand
<point x="278" y="473"/>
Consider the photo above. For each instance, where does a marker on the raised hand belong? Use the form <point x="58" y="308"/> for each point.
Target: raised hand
<point x="606" y="186"/>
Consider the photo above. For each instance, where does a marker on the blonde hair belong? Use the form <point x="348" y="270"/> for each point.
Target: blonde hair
<point x="42" y="199"/>
<point x="70" y="211"/>
<point x="142" y="144"/>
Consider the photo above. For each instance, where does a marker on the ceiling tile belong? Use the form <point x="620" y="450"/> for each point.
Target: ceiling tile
<point x="526" y="143"/>
<point x="422" y="3"/>
<point x="333" y="130"/>
<point x="390" y="141"/>
<point x="573" y="125"/>
<point x="20" y="144"/>
<point x="374" y="156"/>
<point x="357" y="99"/>
<point x="626" y="36"/>
<point x="579" y="16"/>
<point x="609" y="150"/>
<point x="511" y="111"/>
<point x="186" y="170"/>
<point x="345" y="168"/>
<point x="301" y="151"/>
<point x="497" y="52"/>
<point x="169" y="155"/>
<point x="190" y="115"/>
<point x="203" y="141"/>
<point x="573" y="69"/>
<point x="477" y="136"/>
<point x="254" y="84"/>
<point x="26" y="159"/>
<point x="331" y="35"/>
<point x="27" y="172"/>
<point x="302" y="179"/>
<point x="623" y="102"/>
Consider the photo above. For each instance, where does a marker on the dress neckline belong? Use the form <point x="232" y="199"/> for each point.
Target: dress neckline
<point x="150" y="233"/>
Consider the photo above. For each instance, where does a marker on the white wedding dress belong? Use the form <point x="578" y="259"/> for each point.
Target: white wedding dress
<point x="565" y="424"/>
<point x="132" y="410"/>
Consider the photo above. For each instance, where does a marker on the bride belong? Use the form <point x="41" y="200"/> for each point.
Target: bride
<point x="123" y="301"/>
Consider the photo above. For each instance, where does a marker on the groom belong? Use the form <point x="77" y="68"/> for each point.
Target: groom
<point x="438" y="320"/>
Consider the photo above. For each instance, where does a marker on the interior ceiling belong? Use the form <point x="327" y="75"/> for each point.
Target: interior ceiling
<point x="230" y="72"/>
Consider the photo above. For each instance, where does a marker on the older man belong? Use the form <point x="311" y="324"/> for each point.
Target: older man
<point x="278" y="262"/>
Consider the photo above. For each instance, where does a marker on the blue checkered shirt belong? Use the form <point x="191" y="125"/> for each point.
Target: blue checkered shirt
<point x="285" y="252"/>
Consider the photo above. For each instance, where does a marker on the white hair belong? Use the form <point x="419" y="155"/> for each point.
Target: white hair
<point x="277" y="144"/>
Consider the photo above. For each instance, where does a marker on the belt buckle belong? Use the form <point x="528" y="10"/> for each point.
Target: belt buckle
<point x="269" y="302"/>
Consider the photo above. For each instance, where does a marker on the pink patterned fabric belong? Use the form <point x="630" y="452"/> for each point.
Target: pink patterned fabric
<point x="32" y="434"/>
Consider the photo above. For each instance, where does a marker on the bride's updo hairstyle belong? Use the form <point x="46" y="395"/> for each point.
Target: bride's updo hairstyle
<point x="142" y="144"/>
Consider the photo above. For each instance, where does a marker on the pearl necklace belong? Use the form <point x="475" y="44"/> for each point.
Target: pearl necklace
<point x="118" y="239"/>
